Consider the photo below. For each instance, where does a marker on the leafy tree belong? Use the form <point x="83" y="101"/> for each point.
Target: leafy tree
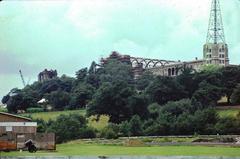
<point x="230" y="79"/>
<point x="164" y="89"/>
<point x="82" y="74"/>
<point x="59" y="99"/>
<point x="139" y="106"/>
<point x="207" y="95"/>
<point x="68" y="127"/>
<point x="235" y="97"/>
<point x="135" y="126"/>
<point x="154" y="109"/>
<point x="186" y="80"/>
<point x="125" y="129"/>
<point x="116" y="71"/>
<point x="178" y="107"/>
<point x="5" y="98"/>
<point x="228" y="126"/>
<point x="204" y="121"/>
<point x="109" y="133"/>
<point x="144" y="81"/>
<point x="92" y="69"/>
<point x="66" y="83"/>
<point x="81" y="95"/>
<point x="14" y="103"/>
<point x="112" y="99"/>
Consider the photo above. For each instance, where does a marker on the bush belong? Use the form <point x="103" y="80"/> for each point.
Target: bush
<point x="135" y="126"/>
<point x="227" y="126"/>
<point x="69" y="127"/>
<point x="109" y="133"/>
<point x="88" y="133"/>
<point x="35" y="110"/>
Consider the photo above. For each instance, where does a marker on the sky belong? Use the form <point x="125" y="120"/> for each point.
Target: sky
<point x="68" y="35"/>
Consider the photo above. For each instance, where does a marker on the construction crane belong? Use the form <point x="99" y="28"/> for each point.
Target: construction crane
<point x="23" y="81"/>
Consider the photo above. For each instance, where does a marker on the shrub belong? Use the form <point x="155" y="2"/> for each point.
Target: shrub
<point x="109" y="133"/>
<point x="88" y="133"/>
<point x="68" y="127"/>
<point x="135" y="125"/>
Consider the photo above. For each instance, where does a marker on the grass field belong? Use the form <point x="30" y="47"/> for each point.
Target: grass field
<point x="70" y="149"/>
<point x="231" y="112"/>
<point x="100" y="124"/>
<point x="53" y="115"/>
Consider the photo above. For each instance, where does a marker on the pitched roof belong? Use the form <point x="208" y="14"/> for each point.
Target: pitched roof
<point x="16" y="116"/>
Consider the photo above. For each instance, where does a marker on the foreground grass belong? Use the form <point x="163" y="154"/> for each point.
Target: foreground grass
<point x="53" y="115"/>
<point x="108" y="150"/>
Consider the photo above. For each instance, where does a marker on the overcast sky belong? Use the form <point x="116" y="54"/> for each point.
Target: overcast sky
<point x="68" y="35"/>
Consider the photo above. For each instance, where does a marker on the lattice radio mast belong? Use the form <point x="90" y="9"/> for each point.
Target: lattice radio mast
<point x="215" y="29"/>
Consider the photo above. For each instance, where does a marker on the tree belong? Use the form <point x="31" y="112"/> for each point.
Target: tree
<point x="176" y="108"/>
<point x="164" y="89"/>
<point x="5" y="98"/>
<point x="68" y="127"/>
<point x="144" y="81"/>
<point x="112" y="99"/>
<point x="135" y="126"/>
<point x="59" y="99"/>
<point x="186" y="80"/>
<point x="116" y="71"/>
<point x="14" y="103"/>
<point x="204" y="121"/>
<point x="81" y="95"/>
<point x="207" y="95"/>
<point x="235" y="97"/>
<point x="139" y="106"/>
<point x="82" y="74"/>
<point x="230" y="79"/>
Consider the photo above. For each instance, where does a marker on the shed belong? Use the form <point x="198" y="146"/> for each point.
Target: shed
<point x="15" y="124"/>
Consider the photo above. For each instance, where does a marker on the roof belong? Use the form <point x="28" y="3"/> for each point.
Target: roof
<point x="16" y="116"/>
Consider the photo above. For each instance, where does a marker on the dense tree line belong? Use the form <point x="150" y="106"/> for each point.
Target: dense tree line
<point x="150" y="105"/>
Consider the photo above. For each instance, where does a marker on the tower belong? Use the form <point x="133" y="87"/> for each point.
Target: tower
<point x="215" y="51"/>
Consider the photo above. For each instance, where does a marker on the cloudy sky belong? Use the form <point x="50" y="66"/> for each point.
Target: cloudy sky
<point x="68" y="35"/>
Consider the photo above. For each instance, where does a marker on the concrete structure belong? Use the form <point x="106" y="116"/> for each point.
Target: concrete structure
<point x="47" y="75"/>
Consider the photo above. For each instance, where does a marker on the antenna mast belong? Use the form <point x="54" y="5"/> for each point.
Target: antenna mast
<point x="215" y="29"/>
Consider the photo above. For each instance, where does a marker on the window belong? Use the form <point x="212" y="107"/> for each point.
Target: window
<point x="169" y="72"/>
<point x="173" y="71"/>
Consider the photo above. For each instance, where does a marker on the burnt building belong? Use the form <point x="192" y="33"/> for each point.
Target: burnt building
<point x="47" y="75"/>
